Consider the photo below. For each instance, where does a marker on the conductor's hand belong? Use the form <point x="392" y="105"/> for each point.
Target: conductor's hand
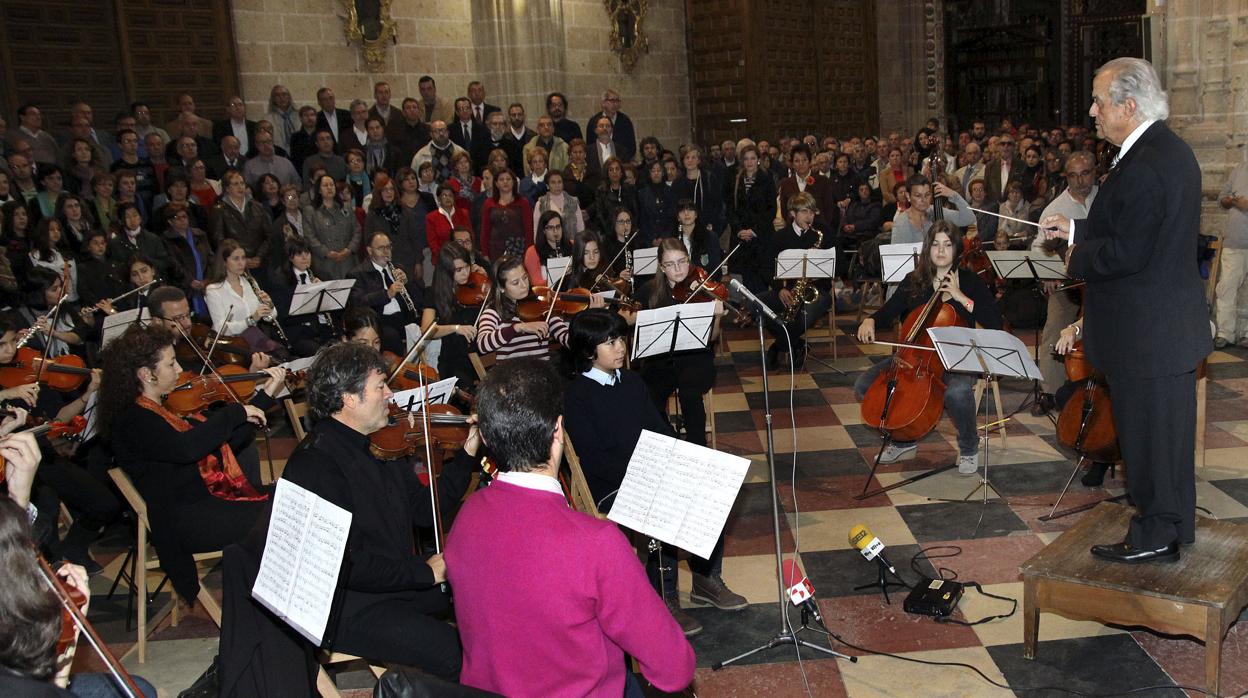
<point x="438" y="565"/>
<point x="866" y="331"/>
<point x="1055" y="225"/>
<point x="255" y="415"/>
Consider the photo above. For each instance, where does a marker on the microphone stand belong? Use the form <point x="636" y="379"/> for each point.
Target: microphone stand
<point x="787" y="634"/>
<point x="881" y="582"/>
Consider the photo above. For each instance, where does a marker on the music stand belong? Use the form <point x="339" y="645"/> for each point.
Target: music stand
<point x="813" y="263"/>
<point x="555" y="268"/>
<point x="1027" y="264"/>
<point x="117" y="323"/>
<point x="646" y="261"/>
<point x="990" y="354"/>
<point x="898" y="260"/>
<point x="320" y="297"/>
<point x="673" y="328"/>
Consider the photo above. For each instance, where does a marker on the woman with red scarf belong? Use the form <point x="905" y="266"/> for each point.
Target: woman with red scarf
<point x="199" y="474"/>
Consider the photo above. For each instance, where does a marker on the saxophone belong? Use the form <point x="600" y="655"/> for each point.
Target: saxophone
<point x="803" y="291"/>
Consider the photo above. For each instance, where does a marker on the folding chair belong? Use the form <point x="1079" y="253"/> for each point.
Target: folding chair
<point x="582" y="498"/>
<point x="140" y="564"/>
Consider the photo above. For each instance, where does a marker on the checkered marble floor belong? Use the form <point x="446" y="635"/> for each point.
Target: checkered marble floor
<point x="818" y="480"/>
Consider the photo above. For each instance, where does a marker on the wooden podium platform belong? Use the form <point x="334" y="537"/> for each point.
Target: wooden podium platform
<point x="1201" y="595"/>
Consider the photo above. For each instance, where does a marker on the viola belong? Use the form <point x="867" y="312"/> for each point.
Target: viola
<point x="226" y="350"/>
<point x="475" y="291"/>
<point x="409" y="376"/>
<point x="906" y="401"/>
<point x="1086" y="422"/>
<point x="699" y="282"/>
<point x="195" y="392"/>
<point x="448" y="429"/>
<point x="64" y="373"/>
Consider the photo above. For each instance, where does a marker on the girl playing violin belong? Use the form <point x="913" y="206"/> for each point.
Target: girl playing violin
<point x="501" y="330"/>
<point x="690" y="374"/>
<point x="938" y="272"/>
<point x="199" y="475"/>
<point x="550" y="242"/>
<point x="455" y="320"/>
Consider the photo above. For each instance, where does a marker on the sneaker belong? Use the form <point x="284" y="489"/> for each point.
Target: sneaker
<point x="1221" y="343"/>
<point x="688" y="624"/>
<point x="968" y="465"/>
<point x="893" y="453"/>
<point x="713" y="591"/>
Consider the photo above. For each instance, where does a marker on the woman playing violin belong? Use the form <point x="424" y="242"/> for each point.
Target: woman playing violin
<point x="938" y="272"/>
<point x="550" y="242"/>
<point x="690" y="374"/>
<point x="501" y="330"/>
<point x="199" y="475"/>
<point x="455" y="319"/>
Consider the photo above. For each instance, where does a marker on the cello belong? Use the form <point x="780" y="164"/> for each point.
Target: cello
<point x="905" y="402"/>
<point x="1086" y="423"/>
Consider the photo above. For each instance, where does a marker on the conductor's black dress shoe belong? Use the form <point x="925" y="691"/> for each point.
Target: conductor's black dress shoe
<point x="1124" y="552"/>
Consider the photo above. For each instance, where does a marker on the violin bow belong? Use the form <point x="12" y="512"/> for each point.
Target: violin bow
<point x="433" y="485"/>
<point x="721" y="267"/>
<point x="216" y="338"/>
<point x="554" y="298"/>
<point x="208" y="364"/>
<point x="411" y="353"/>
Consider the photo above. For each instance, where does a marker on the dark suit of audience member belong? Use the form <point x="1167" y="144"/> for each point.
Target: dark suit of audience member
<point x="205" y="146"/>
<point x="992" y="177"/>
<point x="302" y="146"/>
<point x="344" y="123"/>
<point x="623" y="135"/>
<point x="218" y="165"/>
<point x="568" y="129"/>
<point x="482" y="147"/>
<point x="476" y="133"/>
<point x="752" y="206"/>
<point x="818" y="187"/>
<point x="223" y="128"/>
<point x="407" y="138"/>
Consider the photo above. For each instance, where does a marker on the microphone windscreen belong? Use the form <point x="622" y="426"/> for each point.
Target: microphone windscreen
<point x="792" y="573"/>
<point x="859" y="535"/>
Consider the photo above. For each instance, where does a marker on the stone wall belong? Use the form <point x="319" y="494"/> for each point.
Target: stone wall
<point x="910" y="57"/>
<point x="1204" y="48"/>
<point x="520" y="51"/>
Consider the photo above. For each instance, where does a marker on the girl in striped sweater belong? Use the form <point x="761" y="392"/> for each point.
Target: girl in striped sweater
<point x="500" y="329"/>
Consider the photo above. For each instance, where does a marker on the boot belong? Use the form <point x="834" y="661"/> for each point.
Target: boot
<point x="1096" y="474"/>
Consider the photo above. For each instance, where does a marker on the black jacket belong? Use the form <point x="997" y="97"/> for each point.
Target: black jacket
<point x="370" y="290"/>
<point x="1144" y="309"/>
<point x="911" y="295"/>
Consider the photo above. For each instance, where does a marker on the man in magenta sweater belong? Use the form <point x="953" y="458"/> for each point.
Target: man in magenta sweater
<point x="548" y="600"/>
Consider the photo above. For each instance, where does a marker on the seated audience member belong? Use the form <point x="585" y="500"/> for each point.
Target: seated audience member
<point x="530" y="642"/>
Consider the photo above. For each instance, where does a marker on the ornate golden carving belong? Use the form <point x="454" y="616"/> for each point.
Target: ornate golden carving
<point x="627" y="39"/>
<point x="368" y="22"/>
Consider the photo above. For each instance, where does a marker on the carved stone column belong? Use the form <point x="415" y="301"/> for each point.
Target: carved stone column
<point x="911" y="59"/>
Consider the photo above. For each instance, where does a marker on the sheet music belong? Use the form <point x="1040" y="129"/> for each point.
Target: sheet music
<point x="678" y="492"/>
<point x="606" y="295"/>
<point x="439" y="394"/>
<point x="960" y="349"/>
<point x="691" y="323"/>
<point x="1012" y="264"/>
<point x="116" y="324"/>
<point x="302" y="557"/>
<point x="820" y="264"/>
<point x="321" y="297"/>
<point x="555" y="269"/>
<point x="645" y="261"/>
<point x="898" y="260"/>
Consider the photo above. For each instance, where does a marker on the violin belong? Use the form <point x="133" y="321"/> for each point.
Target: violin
<point x="226" y="350"/>
<point x="410" y="375"/>
<point x="538" y="306"/>
<point x="698" y="281"/>
<point x="976" y="259"/>
<point x="475" y="291"/>
<point x="63" y="373"/>
<point x="906" y="401"/>
<point x="195" y="392"/>
<point x="448" y="430"/>
<point x="1086" y="422"/>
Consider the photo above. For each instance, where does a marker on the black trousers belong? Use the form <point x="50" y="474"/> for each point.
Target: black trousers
<point x="393" y="334"/>
<point x="692" y="374"/>
<point x="88" y="497"/>
<point x="1156" y="423"/>
<point x="399" y="628"/>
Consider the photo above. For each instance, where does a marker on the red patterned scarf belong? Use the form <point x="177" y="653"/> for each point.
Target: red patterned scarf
<point x="223" y="476"/>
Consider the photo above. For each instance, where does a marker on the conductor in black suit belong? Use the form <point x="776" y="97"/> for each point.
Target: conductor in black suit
<point x="1145" y="316"/>
<point x="380" y="287"/>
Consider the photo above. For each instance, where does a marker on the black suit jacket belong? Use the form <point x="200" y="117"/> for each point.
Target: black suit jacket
<point x="344" y="121"/>
<point x="221" y="129"/>
<point x="1144" y="310"/>
<point x="486" y="110"/>
<point x="623" y="134"/>
<point x="217" y="165"/>
<point x="482" y="147"/>
<point x="370" y="290"/>
<point x="479" y="133"/>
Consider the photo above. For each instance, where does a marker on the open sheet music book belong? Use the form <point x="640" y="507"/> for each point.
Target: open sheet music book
<point x="302" y="558"/>
<point x="678" y="492"/>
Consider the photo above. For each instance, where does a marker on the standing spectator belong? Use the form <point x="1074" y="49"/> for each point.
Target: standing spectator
<point x="657" y="204"/>
<point x="43" y="146"/>
<point x="1231" y="301"/>
<point x="336" y="121"/>
<point x="381" y="103"/>
<point x="238" y="125"/>
<point x="751" y="209"/>
<point x="267" y="161"/>
<point x="186" y="105"/>
<point x="143" y="125"/>
<point x="325" y="157"/>
<point x="434" y="108"/>
<point x="332" y="231"/>
<point x="303" y="140"/>
<point x="701" y="186"/>
<point x="144" y="173"/>
<point x="283" y="115"/>
<point x="622" y="132"/>
<point x="506" y="219"/>
<point x="406" y="132"/>
<point x="241" y="218"/>
<point x="517" y="132"/>
<point x="476" y="97"/>
<point x="356" y="136"/>
<point x="440" y="151"/>
<point x="555" y="147"/>
<point x="557" y="109"/>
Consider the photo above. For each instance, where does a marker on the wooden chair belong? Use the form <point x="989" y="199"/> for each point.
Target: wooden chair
<point x="996" y="398"/>
<point x="582" y="498"/>
<point x="1211" y="284"/>
<point x="480" y="364"/>
<point x="142" y="564"/>
<point x="296" y="412"/>
<point x="324" y="684"/>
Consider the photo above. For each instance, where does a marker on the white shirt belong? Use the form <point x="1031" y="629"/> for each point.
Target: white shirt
<point x="240" y="132"/>
<point x="393" y="306"/>
<point x="361" y="135"/>
<point x="605" y="150"/>
<point x="331" y="118"/>
<point x="222" y="299"/>
<point x="601" y="377"/>
<point x="1005" y="175"/>
<point x="532" y="481"/>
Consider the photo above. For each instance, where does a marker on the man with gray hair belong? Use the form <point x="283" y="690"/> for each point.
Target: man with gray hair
<point x="1146" y="324"/>
<point x="622" y="132"/>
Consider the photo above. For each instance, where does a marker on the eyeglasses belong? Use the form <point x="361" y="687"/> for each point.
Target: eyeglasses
<point x="676" y="263"/>
<point x="624" y="221"/>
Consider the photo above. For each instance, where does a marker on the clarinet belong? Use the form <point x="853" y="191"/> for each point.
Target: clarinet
<point x="407" y="298"/>
<point x="272" y="318"/>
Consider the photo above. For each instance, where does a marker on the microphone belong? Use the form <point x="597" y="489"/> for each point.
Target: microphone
<point x="799" y="589"/>
<point x="871" y="547"/>
<point x="737" y="286"/>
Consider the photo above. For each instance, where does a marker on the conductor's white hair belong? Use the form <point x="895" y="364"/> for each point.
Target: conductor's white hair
<point x="1136" y="78"/>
